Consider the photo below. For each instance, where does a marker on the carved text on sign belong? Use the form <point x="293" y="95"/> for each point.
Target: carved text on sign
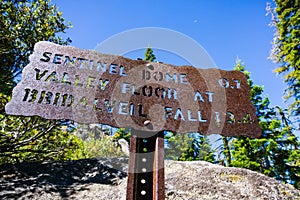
<point x="63" y="82"/>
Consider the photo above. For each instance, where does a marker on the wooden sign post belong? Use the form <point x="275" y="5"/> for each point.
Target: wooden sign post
<point x="63" y="82"/>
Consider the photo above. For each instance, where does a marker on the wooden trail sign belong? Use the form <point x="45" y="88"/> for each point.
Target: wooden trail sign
<point x="63" y="82"/>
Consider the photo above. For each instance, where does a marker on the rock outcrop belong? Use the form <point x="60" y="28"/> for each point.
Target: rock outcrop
<point x="202" y="180"/>
<point x="106" y="179"/>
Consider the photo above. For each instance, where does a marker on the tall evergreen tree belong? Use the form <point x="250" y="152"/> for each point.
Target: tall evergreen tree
<point x="276" y="152"/>
<point x="149" y="55"/>
<point x="22" y="24"/>
<point x="286" y="48"/>
<point x="188" y="147"/>
<point x="203" y="149"/>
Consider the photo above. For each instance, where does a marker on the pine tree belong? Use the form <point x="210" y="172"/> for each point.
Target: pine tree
<point x="276" y="152"/>
<point x="179" y="147"/>
<point x="22" y="24"/>
<point x="149" y="55"/>
<point x="188" y="147"/>
<point x="203" y="148"/>
<point x="286" y="48"/>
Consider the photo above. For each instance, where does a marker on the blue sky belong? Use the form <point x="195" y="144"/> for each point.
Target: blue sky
<point x="227" y="30"/>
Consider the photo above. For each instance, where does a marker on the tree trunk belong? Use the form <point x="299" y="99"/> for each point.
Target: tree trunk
<point x="226" y="151"/>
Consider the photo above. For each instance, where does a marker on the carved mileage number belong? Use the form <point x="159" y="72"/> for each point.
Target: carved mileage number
<point x="225" y="83"/>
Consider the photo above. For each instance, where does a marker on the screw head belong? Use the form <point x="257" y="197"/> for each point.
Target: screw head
<point x="147" y="122"/>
